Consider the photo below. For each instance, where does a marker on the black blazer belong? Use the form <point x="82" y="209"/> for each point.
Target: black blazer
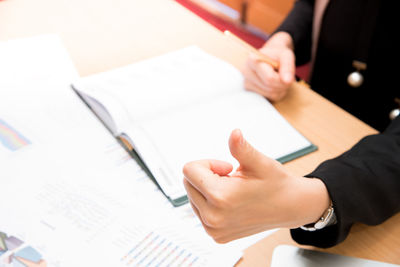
<point x="364" y="185"/>
<point x="344" y="27"/>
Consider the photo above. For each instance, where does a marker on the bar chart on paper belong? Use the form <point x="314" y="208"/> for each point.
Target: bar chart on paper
<point x="10" y="138"/>
<point x="154" y="248"/>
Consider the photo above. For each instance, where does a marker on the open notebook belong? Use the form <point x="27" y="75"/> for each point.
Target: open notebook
<point x="182" y="106"/>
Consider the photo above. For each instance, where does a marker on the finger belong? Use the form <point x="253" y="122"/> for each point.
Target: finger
<point x="202" y="209"/>
<point x="205" y="174"/>
<point x="252" y="61"/>
<point x="287" y="67"/>
<point x="243" y="152"/>
<point x="250" y="86"/>
<point x="274" y="91"/>
<point x="262" y="72"/>
<point x="267" y="73"/>
<point x="192" y="193"/>
<point x="272" y="95"/>
<point x="251" y="76"/>
<point x="274" y="88"/>
<point x="195" y="210"/>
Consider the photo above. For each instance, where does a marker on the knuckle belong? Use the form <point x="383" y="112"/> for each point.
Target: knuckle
<point x="210" y="231"/>
<point x="249" y="86"/>
<point x="244" y="70"/>
<point x="276" y="95"/>
<point x="187" y="168"/>
<point x="217" y="235"/>
<point x="215" y="219"/>
<point x="288" y="54"/>
<point x="265" y="48"/>
<point x="250" y="61"/>
<point x="186" y="184"/>
<point x="268" y="79"/>
<point x="221" y="240"/>
<point x="247" y="64"/>
<point x="220" y="200"/>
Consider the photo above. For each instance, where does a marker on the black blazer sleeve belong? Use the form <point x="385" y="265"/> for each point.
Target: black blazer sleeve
<point x="299" y="25"/>
<point x="364" y="185"/>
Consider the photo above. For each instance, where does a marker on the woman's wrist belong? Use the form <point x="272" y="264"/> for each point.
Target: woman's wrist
<point x="311" y="202"/>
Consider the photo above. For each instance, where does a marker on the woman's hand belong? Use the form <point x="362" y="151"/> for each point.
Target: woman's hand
<point x="258" y="196"/>
<point x="261" y="78"/>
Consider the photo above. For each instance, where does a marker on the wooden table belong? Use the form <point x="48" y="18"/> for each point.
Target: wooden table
<point x="101" y="35"/>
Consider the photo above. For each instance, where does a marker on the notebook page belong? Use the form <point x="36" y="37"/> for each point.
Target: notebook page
<point x="157" y="85"/>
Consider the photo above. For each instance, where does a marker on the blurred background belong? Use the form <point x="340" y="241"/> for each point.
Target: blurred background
<point x="252" y="20"/>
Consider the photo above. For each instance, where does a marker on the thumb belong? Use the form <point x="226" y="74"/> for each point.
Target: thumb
<point x="243" y="152"/>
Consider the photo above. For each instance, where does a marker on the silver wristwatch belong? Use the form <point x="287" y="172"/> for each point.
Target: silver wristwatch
<point x="328" y="218"/>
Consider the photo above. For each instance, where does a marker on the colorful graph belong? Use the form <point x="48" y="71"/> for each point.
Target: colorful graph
<point x="14" y="253"/>
<point x="11" y="138"/>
